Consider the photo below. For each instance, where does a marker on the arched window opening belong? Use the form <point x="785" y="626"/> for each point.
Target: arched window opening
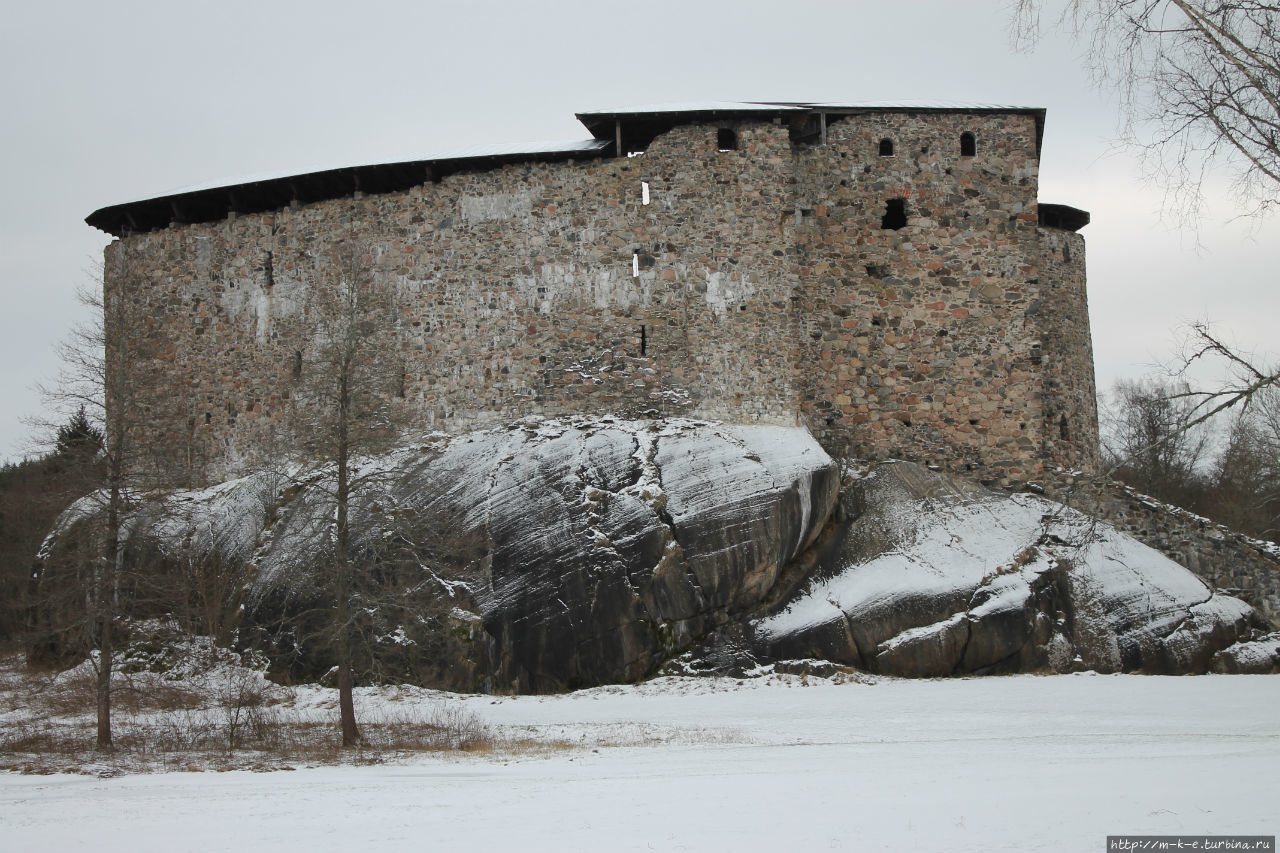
<point x="968" y="145"/>
<point x="886" y="147"/>
<point x="895" y="214"/>
<point x="726" y="139"/>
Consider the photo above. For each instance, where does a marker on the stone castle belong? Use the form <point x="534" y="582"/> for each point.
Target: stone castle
<point x="884" y="275"/>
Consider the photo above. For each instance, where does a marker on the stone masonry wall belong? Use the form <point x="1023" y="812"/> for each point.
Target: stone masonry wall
<point x="757" y="285"/>
<point x="1246" y="568"/>
<point x="918" y="337"/>
<point x="1069" y="399"/>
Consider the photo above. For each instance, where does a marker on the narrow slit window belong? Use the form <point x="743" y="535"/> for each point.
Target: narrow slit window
<point x="644" y="341"/>
<point x="635" y="265"/>
<point x="1064" y="429"/>
<point x="644" y="192"/>
<point x="726" y="139"/>
<point x="886" y="147"/>
<point x="968" y="145"/>
<point x="895" y="214"/>
<point x="297" y="364"/>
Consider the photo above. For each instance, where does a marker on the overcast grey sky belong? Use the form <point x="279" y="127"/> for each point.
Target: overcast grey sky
<point x="106" y="103"/>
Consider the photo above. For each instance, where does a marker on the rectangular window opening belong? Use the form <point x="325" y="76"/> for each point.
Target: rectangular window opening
<point x="635" y="265"/>
<point x="644" y="192"/>
<point x="644" y="341"/>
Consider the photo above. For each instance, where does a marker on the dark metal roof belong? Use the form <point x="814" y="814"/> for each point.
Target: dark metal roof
<point x="1062" y="216"/>
<point x="210" y="204"/>
<point x="646" y="121"/>
<point x="638" y="126"/>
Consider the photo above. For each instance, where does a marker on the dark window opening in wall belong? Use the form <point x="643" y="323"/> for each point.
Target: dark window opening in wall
<point x="886" y="147"/>
<point x="1037" y="355"/>
<point x="1064" y="429"/>
<point x="726" y="139"/>
<point x="404" y="377"/>
<point x="644" y="341"/>
<point x="895" y="214"/>
<point x="968" y="145"/>
<point x="1066" y="253"/>
<point x="268" y="271"/>
<point x="208" y="418"/>
<point x="297" y="364"/>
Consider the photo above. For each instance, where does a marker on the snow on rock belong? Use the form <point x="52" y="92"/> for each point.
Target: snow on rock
<point x="1257" y="657"/>
<point x="544" y="555"/>
<point x="935" y="576"/>
<point x="554" y="554"/>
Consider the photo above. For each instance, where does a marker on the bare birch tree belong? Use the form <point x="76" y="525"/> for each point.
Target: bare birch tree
<point x="1198" y="81"/>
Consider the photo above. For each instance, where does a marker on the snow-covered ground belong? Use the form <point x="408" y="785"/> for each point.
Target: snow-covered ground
<point x="1014" y="763"/>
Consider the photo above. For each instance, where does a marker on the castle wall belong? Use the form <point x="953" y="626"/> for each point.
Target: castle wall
<point x="919" y="338"/>
<point x="522" y="290"/>
<point x="1069" y="399"/>
<point x="761" y="278"/>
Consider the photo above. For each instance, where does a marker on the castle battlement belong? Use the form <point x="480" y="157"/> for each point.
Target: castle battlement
<point x="884" y="275"/>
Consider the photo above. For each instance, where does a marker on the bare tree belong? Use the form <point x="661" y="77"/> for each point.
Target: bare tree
<point x="1245" y="493"/>
<point x="97" y="382"/>
<point x="1148" y="443"/>
<point x="344" y="410"/>
<point x="1199" y="84"/>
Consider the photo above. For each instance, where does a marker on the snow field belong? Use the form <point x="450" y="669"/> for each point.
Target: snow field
<point x="1015" y="763"/>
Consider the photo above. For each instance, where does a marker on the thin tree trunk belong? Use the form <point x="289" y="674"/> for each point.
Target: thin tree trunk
<point x="342" y="565"/>
<point x="346" y="702"/>
<point x="105" y="606"/>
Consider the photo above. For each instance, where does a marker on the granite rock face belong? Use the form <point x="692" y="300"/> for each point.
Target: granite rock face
<point x="935" y="576"/>
<point x="553" y="554"/>
<point x="543" y="556"/>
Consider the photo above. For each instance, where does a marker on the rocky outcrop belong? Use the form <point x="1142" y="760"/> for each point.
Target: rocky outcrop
<point x="937" y="576"/>
<point x="1257" y="657"/>
<point x="552" y="554"/>
<point x="539" y="557"/>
